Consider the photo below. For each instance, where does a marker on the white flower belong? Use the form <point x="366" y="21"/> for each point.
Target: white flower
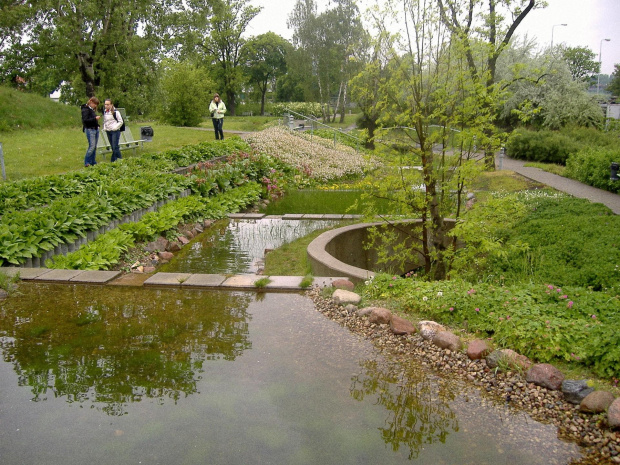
<point x="424" y="298"/>
<point x="439" y="294"/>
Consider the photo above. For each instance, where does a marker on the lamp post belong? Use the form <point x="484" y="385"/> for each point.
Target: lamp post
<point x="552" y="27"/>
<point x="600" y="63"/>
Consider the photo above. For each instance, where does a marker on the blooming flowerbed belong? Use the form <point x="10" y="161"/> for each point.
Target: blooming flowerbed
<point x="316" y="158"/>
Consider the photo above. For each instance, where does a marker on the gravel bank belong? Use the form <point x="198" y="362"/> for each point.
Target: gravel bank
<point x="601" y="446"/>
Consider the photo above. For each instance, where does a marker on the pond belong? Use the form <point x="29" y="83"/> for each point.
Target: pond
<point x="103" y="375"/>
<point x="237" y="246"/>
<point x="314" y="201"/>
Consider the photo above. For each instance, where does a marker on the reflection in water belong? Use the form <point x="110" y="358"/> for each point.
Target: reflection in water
<point x="103" y="348"/>
<point x="175" y="376"/>
<point x="238" y="246"/>
<point x="417" y="405"/>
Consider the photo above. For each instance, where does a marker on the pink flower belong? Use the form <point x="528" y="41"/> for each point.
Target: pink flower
<point x="564" y="296"/>
<point x="594" y="317"/>
<point x="550" y="286"/>
<point x="477" y="309"/>
<point x="570" y="304"/>
<point x="451" y="309"/>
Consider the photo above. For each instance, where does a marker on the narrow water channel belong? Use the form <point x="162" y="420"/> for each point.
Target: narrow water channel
<point x="122" y="375"/>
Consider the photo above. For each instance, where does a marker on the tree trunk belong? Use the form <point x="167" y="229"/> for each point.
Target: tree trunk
<point x="87" y="72"/>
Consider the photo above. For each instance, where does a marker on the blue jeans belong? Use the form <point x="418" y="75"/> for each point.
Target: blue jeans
<point x="114" y="137"/>
<point x="218" y="123"/>
<point x="92" y="136"/>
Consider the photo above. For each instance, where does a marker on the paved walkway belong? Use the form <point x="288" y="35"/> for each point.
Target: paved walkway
<point x="570" y="186"/>
<point x="184" y="280"/>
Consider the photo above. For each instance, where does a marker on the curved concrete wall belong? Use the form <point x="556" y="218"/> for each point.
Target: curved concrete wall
<point x="341" y="252"/>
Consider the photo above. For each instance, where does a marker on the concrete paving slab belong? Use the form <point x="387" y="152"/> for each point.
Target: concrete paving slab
<point x="325" y="281"/>
<point x="95" y="277"/>
<point x="273" y="217"/>
<point x="242" y="281"/>
<point x="351" y="217"/>
<point x="167" y="279"/>
<point x="24" y="273"/>
<point x="284" y="282"/>
<point x="292" y="216"/>
<point x="313" y="216"/>
<point x="59" y="275"/>
<point x="236" y="215"/>
<point x="332" y="217"/>
<point x="204" y="280"/>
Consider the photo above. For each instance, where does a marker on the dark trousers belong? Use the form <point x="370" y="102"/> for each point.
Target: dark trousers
<point x="218" y="124"/>
<point x="114" y="137"/>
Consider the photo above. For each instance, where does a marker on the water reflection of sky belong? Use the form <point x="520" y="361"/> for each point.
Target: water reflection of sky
<point x="172" y="376"/>
<point x="238" y="246"/>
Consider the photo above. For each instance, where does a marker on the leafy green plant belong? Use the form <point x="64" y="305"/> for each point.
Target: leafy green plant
<point x="591" y="166"/>
<point x="307" y="281"/>
<point x="542" y="146"/>
<point x="262" y="282"/>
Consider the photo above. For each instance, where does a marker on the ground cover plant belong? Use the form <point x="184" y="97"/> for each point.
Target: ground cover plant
<point x="315" y="159"/>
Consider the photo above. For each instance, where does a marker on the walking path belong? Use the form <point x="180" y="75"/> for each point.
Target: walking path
<point x="569" y="186"/>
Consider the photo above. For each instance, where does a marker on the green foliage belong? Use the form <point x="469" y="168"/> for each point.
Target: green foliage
<point x="569" y="242"/>
<point x="23" y="110"/>
<point x="542" y="321"/>
<point x="303" y="108"/>
<point x="184" y="90"/>
<point x="543" y="146"/>
<point x="262" y="282"/>
<point x="591" y="166"/>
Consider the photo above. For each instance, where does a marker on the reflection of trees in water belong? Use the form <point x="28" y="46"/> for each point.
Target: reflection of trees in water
<point x="119" y="345"/>
<point x="418" y="409"/>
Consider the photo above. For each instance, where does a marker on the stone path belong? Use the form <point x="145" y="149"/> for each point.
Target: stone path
<point x="569" y="186"/>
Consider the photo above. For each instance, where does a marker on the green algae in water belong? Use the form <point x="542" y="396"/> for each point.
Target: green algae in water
<point x="323" y="202"/>
<point x="173" y="376"/>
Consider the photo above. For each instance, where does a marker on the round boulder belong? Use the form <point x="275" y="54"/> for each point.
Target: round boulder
<point x="343" y="297"/>
<point x="478" y="349"/>
<point x="448" y="340"/>
<point x="428" y="329"/>
<point x="380" y="316"/>
<point x="613" y="414"/>
<point x="596" y="402"/>
<point x="575" y="390"/>
<point x="401" y="327"/>
<point x="343" y="284"/>
<point x="545" y="375"/>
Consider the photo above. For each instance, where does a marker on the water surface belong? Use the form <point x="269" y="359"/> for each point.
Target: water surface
<point x="107" y="375"/>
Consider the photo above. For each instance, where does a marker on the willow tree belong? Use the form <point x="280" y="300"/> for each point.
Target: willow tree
<point x="434" y="114"/>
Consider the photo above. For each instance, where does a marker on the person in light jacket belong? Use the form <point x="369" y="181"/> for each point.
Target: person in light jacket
<point x="112" y="124"/>
<point x="217" y="110"/>
<point x="90" y="126"/>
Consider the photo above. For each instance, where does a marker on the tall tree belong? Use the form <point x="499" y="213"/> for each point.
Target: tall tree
<point x="265" y="61"/>
<point x="224" y="42"/>
<point x="88" y="42"/>
<point x="492" y="22"/>
<point x="581" y="62"/>
<point x="614" y="85"/>
<point x="425" y="96"/>
<point x="328" y="44"/>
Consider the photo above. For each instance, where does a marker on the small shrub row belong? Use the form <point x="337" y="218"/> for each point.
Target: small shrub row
<point x="591" y="166"/>
<point x="541" y="146"/>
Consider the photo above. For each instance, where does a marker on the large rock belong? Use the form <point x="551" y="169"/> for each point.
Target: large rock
<point x="478" y="349"/>
<point x="3" y="294"/>
<point x="174" y="246"/>
<point x="428" y="329"/>
<point x="158" y="245"/>
<point x="448" y="340"/>
<point x="575" y="390"/>
<point x="401" y="327"/>
<point x="343" y="297"/>
<point x="509" y="358"/>
<point x="380" y="316"/>
<point x="183" y="240"/>
<point x="365" y="311"/>
<point x="545" y="375"/>
<point x="613" y="414"/>
<point x="597" y="402"/>
<point x="343" y="284"/>
<point x="165" y="255"/>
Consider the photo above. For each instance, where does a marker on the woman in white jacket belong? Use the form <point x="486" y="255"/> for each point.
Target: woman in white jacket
<point x="217" y="110"/>
<point x="112" y="123"/>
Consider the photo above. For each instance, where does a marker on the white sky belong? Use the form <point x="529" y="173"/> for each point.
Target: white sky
<point x="588" y="22"/>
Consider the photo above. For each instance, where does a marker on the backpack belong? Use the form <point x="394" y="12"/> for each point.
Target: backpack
<point x="116" y="119"/>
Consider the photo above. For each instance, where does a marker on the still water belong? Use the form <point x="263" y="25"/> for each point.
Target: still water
<point x="238" y="246"/>
<point x="114" y="375"/>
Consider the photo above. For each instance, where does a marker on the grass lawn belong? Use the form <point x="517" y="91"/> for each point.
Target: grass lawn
<point x="37" y="152"/>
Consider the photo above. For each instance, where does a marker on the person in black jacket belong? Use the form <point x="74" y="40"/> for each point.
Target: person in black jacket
<point x="90" y="126"/>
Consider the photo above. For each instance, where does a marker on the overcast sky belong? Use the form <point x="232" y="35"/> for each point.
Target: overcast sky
<point x="588" y="23"/>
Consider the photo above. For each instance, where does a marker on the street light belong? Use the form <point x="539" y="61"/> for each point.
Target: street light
<point x="600" y="63"/>
<point x="563" y="24"/>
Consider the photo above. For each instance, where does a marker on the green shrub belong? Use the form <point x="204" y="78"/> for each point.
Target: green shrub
<point x="304" y="108"/>
<point x="541" y="146"/>
<point x="591" y="166"/>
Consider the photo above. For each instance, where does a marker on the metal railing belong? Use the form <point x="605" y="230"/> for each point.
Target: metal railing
<point x="312" y="123"/>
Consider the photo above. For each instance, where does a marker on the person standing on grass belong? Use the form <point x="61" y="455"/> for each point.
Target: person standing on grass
<point x="90" y="126"/>
<point x="217" y="110"/>
<point x="112" y="124"/>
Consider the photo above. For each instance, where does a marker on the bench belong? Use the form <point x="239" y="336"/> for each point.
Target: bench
<point x="247" y="113"/>
<point x="126" y="141"/>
